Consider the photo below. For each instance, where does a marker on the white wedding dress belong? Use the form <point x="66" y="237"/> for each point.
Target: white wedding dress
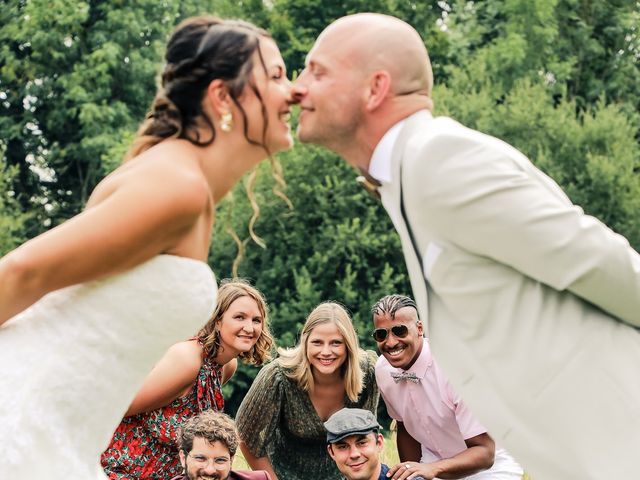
<point x="71" y="364"/>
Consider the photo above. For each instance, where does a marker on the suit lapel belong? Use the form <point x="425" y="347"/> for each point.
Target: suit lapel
<point x="391" y="200"/>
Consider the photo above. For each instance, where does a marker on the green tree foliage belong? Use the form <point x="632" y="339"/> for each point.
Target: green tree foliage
<point x="76" y="78"/>
<point x="602" y="41"/>
<point x="11" y="220"/>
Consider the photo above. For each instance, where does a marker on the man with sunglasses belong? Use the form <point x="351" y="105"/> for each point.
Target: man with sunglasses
<point x="208" y="443"/>
<point x="437" y="435"/>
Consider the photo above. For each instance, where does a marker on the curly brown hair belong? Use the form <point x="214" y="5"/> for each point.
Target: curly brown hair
<point x="213" y="427"/>
<point x="230" y="290"/>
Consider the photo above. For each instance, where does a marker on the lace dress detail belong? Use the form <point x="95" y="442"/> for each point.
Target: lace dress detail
<point x="144" y="445"/>
<point x="71" y="364"/>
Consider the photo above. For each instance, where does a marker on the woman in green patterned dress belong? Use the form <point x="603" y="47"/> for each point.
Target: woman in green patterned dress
<point x="281" y="419"/>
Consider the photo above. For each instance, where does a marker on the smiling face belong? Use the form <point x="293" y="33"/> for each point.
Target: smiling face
<point x="207" y="461"/>
<point x="400" y="352"/>
<point x="241" y="325"/>
<point x="331" y="92"/>
<point x="326" y="349"/>
<point x="274" y="87"/>
<point x="358" y="456"/>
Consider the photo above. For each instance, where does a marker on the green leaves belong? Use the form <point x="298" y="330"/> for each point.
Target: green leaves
<point x="11" y="220"/>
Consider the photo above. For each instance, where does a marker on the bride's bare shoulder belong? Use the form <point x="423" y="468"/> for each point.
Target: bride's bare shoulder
<point x="170" y="169"/>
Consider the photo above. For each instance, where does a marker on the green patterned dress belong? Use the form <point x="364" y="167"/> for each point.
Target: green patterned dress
<point x="278" y="420"/>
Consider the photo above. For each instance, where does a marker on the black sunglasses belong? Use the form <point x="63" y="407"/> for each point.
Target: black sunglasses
<point x="381" y="334"/>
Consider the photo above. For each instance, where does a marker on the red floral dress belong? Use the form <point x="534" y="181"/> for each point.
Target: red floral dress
<point x="144" y="445"/>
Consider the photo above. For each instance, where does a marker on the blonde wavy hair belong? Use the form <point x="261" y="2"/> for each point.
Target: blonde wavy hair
<point x="296" y="364"/>
<point x="230" y="290"/>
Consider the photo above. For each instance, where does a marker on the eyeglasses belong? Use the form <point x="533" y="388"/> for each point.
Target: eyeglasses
<point x="381" y="334"/>
<point x="203" y="461"/>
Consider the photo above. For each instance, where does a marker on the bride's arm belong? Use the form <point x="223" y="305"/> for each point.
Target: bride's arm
<point x="147" y="215"/>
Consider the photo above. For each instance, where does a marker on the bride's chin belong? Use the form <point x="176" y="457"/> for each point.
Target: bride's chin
<point x="282" y="144"/>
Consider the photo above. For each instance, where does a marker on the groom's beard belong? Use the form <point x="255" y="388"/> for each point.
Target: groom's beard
<point x="332" y="128"/>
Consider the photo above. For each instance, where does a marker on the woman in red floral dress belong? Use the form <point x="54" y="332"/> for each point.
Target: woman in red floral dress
<point x="186" y="381"/>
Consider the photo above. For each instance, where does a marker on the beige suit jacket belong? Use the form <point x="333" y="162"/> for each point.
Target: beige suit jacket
<point x="529" y="302"/>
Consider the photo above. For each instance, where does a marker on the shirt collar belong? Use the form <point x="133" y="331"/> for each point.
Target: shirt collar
<point x="383" y="472"/>
<point x="424" y="361"/>
<point x="380" y="164"/>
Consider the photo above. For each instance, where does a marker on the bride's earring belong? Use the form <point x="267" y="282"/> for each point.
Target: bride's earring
<point x="226" y="122"/>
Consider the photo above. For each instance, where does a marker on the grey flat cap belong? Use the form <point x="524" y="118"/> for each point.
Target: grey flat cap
<point x="350" y="421"/>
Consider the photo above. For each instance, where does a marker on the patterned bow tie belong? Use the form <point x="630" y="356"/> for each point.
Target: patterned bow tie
<point x="408" y="376"/>
<point x="369" y="183"/>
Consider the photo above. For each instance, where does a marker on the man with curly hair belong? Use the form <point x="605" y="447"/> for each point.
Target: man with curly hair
<point x="208" y="443"/>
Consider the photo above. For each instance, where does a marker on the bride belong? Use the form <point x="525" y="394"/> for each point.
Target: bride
<point x="87" y="308"/>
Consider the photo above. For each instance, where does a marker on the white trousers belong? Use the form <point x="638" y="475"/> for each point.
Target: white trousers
<point x="504" y="466"/>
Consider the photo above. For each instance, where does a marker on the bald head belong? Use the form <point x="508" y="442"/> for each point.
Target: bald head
<point x="372" y="41"/>
<point x="365" y="73"/>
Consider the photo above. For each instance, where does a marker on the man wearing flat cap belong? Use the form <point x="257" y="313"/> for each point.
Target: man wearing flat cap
<point x="354" y="442"/>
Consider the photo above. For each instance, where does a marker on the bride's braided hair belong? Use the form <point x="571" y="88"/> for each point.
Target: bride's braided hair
<point x="200" y="50"/>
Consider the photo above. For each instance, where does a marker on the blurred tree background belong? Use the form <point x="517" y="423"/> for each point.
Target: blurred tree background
<point x="556" y="78"/>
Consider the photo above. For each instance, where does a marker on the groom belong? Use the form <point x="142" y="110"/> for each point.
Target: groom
<point x="532" y="306"/>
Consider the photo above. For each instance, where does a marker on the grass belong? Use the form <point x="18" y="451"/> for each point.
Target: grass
<point x="239" y="463"/>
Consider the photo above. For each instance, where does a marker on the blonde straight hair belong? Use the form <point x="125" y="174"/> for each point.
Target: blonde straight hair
<point x="296" y="364"/>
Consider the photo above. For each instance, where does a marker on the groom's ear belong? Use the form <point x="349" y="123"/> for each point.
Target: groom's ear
<point x="379" y="89"/>
<point x="218" y="97"/>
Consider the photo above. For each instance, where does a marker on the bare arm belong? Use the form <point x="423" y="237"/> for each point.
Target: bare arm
<point x="142" y="218"/>
<point x="478" y="456"/>
<point x="258" y="463"/>
<point x="173" y="376"/>
<point x="409" y="449"/>
<point x="258" y="418"/>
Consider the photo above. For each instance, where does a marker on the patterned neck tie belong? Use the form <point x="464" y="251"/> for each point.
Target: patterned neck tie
<point x="402" y="376"/>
